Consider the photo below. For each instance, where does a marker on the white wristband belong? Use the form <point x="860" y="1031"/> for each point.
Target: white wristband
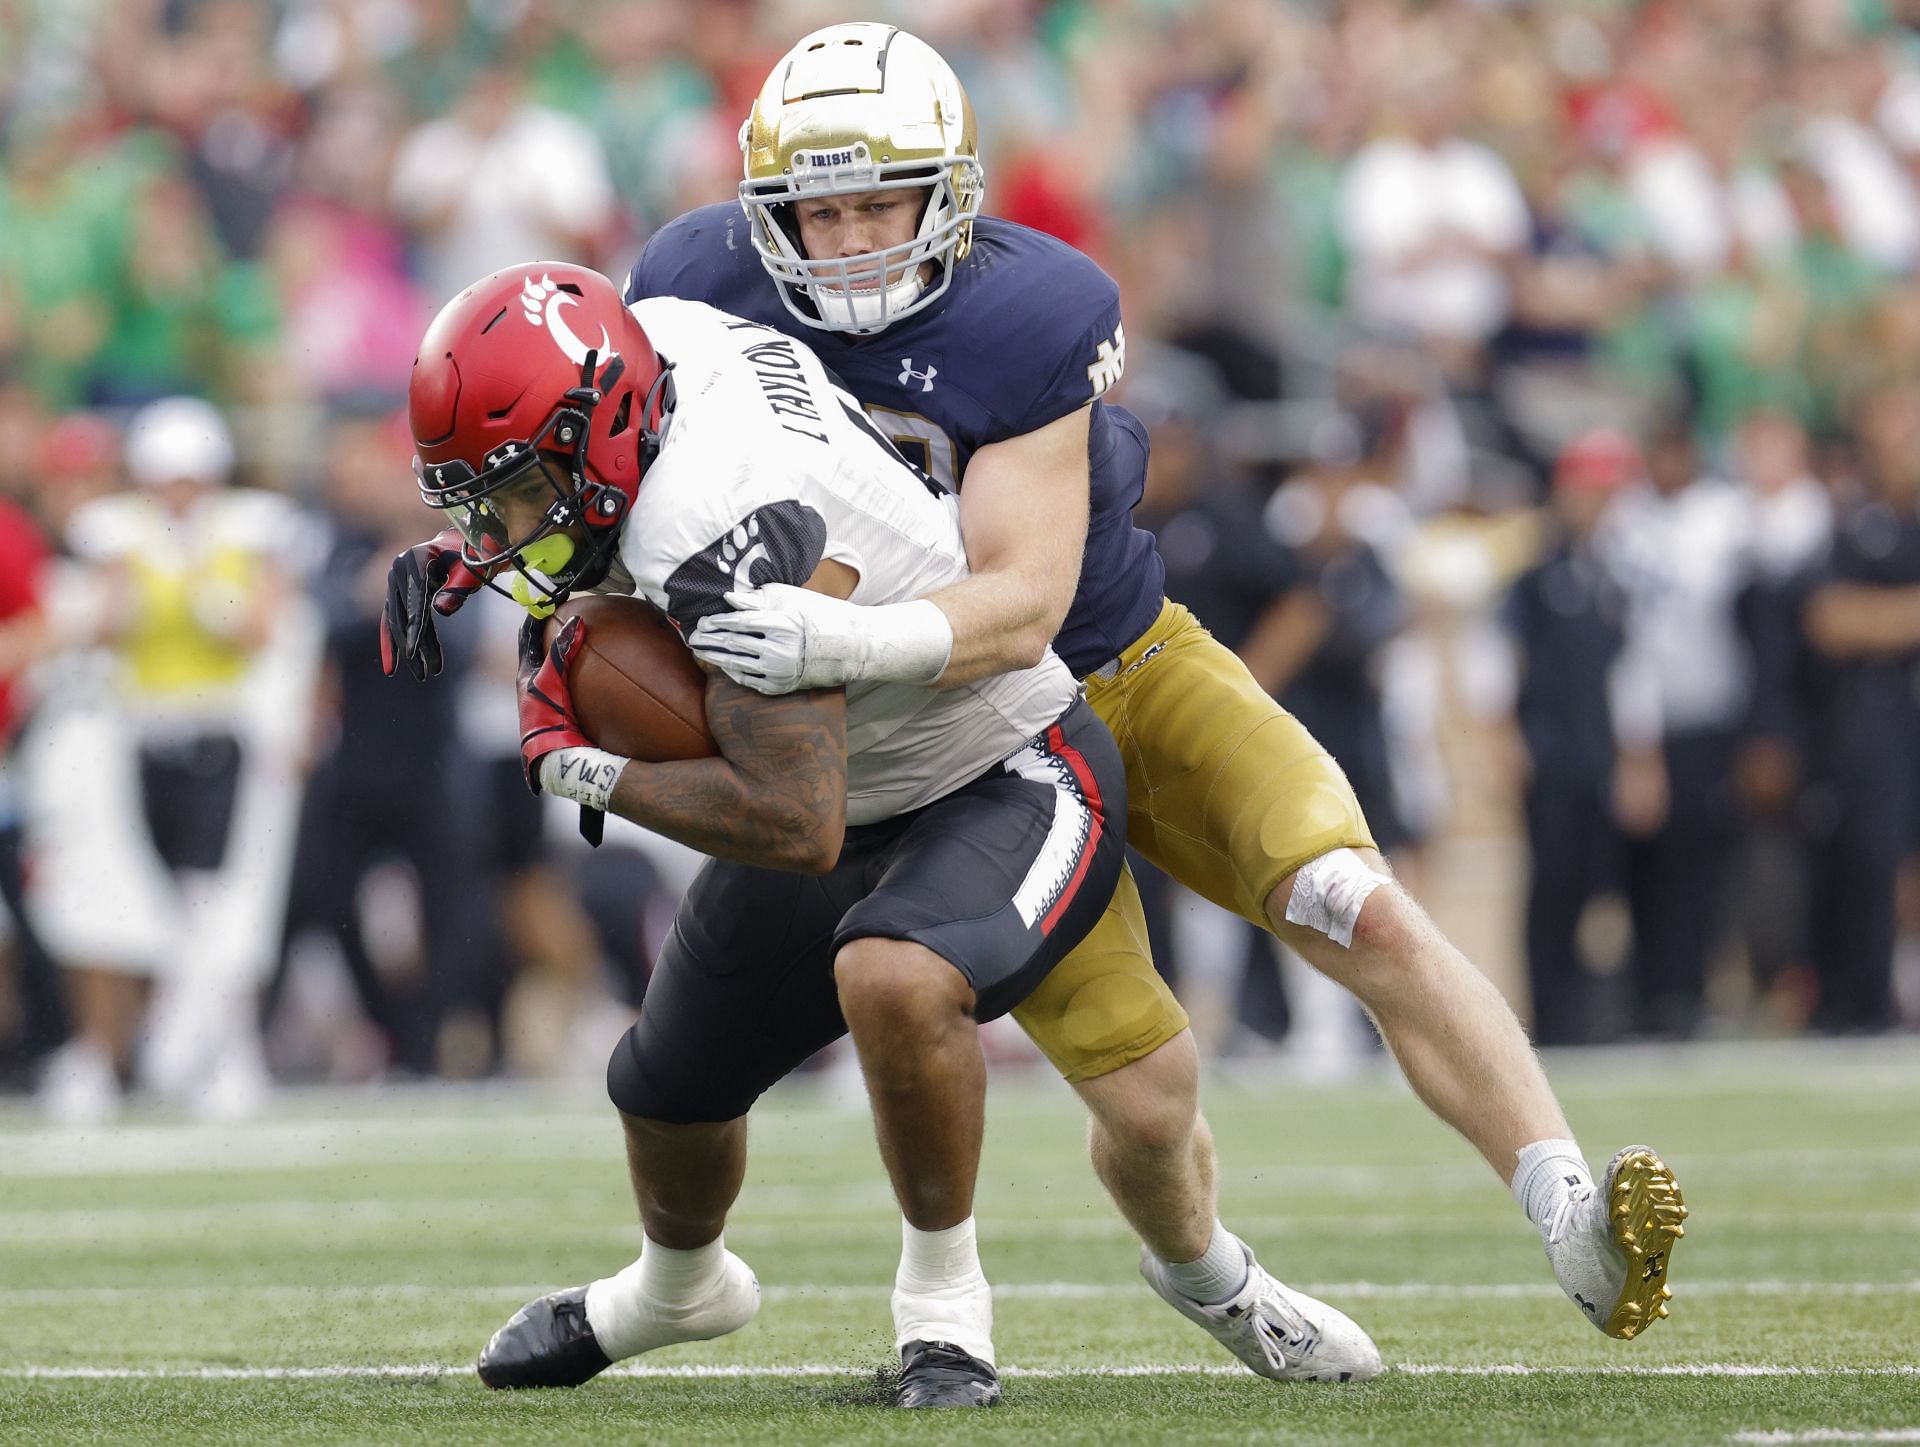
<point x="906" y="642"/>
<point x="586" y="776"/>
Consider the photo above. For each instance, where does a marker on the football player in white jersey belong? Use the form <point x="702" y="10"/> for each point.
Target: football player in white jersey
<point x="893" y="861"/>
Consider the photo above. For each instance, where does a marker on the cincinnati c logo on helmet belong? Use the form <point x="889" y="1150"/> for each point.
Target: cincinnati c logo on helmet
<point x="544" y="303"/>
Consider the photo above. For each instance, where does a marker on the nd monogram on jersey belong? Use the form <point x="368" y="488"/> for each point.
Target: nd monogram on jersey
<point x="765" y="469"/>
<point x="1028" y="332"/>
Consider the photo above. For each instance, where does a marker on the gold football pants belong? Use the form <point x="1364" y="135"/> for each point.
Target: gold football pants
<point x="1226" y="792"/>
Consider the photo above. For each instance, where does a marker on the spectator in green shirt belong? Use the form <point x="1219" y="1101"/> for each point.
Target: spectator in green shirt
<point x="185" y="317"/>
<point x="63" y="241"/>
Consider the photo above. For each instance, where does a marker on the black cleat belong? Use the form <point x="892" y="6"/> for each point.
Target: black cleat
<point x="939" y="1374"/>
<point x="547" y="1344"/>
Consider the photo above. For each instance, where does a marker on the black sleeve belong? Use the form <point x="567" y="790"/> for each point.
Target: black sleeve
<point x="780" y="542"/>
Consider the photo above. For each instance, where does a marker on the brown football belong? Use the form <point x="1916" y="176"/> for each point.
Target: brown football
<point x="637" y="690"/>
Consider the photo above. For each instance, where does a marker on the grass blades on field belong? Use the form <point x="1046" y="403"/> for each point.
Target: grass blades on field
<point x="389" y="1233"/>
<point x="1104" y="1411"/>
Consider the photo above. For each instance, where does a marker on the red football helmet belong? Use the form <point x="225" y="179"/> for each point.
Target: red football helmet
<point x="535" y="378"/>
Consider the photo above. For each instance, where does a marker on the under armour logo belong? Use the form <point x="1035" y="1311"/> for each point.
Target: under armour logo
<point x="908" y="376"/>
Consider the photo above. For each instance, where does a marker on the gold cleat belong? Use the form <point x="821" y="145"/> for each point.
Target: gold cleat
<point x="1644" y="1214"/>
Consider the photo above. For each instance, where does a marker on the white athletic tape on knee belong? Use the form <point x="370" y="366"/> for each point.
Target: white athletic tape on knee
<point x="1328" y="893"/>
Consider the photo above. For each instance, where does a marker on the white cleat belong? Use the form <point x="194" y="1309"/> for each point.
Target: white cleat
<point x="1279" y="1333"/>
<point x="1610" y="1244"/>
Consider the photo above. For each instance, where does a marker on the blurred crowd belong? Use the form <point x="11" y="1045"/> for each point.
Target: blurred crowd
<point x="1535" y="393"/>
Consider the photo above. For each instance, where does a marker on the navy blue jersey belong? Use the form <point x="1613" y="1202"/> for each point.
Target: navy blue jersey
<point x="1028" y="332"/>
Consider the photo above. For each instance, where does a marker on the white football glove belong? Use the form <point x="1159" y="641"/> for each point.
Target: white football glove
<point x="781" y="639"/>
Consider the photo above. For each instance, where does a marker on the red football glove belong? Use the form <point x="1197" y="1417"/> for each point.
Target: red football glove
<point x="546" y="707"/>
<point x="427" y="578"/>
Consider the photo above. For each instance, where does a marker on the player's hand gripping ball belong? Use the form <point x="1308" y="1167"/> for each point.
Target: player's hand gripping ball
<point x="547" y="722"/>
<point x="636" y="689"/>
<point x="631" y="690"/>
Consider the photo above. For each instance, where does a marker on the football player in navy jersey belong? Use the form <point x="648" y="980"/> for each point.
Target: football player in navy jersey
<point x="985" y="349"/>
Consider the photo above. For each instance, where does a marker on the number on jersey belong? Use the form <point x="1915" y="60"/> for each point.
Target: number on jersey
<point x="922" y="443"/>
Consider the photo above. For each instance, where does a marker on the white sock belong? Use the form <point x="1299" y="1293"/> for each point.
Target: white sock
<point x="1217" y="1274"/>
<point x="940" y="1293"/>
<point x="623" y="1309"/>
<point x="1545" y="1172"/>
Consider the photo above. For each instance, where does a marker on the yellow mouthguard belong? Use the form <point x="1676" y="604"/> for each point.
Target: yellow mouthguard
<point x="549" y="556"/>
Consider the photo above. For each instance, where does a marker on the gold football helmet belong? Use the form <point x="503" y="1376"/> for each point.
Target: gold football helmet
<point x="852" y="109"/>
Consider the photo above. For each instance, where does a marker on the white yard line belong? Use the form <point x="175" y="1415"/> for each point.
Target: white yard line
<point x="121" y="1223"/>
<point x="596" y="1216"/>
<point x="287" y="1145"/>
<point x="830" y="1369"/>
<point x="1675" y="1369"/>
<point x="1004" y="1291"/>
<point x="155" y="1151"/>
<point x="1832" y="1434"/>
<point x="300" y="1145"/>
<point x="1390" y="1289"/>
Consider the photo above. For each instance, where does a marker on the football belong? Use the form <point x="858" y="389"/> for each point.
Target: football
<point x="637" y="690"/>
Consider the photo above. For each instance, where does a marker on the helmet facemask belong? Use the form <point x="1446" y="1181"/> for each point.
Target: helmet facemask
<point x="545" y="564"/>
<point x="868" y="292"/>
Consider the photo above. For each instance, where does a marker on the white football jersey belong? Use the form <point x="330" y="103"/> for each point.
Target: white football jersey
<point x="765" y="469"/>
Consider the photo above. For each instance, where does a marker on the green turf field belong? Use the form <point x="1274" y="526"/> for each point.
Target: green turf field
<point x="328" y="1274"/>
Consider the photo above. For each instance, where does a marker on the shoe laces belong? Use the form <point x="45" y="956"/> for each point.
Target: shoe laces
<point x="1562" y="1220"/>
<point x="571" y="1311"/>
<point x="941" y="1355"/>
<point x="1286" y="1326"/>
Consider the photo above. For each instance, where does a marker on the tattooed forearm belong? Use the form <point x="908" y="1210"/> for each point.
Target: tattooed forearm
<point x="777" y="795"/>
